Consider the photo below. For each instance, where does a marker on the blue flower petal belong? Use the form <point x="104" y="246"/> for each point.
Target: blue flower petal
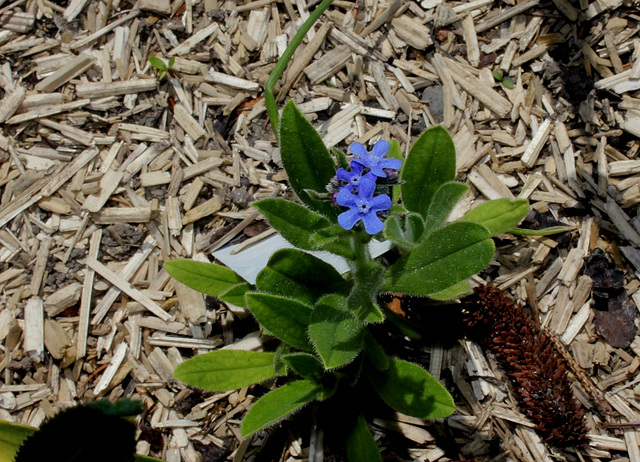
<point x="343" y="175"/>
<point x="366" y="188"/>
<point x="380" y="148"/>
<point x="359" y="150"/>
<point x="394" y="164"/>
<point x="345" y="198"/>
<point x="381" y="202"/>
<point x="349" y="218"/>
<point x="372" y="224"/>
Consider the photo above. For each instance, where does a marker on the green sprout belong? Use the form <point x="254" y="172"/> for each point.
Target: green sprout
<point x="506" y="81"/>
<point x="161" y="66"/>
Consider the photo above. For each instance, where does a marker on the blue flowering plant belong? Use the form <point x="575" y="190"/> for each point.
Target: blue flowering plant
<point x="327" y="352"/>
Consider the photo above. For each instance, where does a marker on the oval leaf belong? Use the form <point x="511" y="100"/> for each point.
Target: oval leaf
<point x="224" y="370"/>
<point x="360" y="443"/>
<point x="283" y="317"/>
<point x="411" y="390"/>
<point x="430" y="163"/>
<point x="335" y="333"/>
<point x="278" y="404"/>
<point x="296" y="223"/>
<point x="498" y="215"/>
<point x="210" y="279"/>
<point x="299" y="275"/>
<point x="447" y="256"/>
<point x="305" y="158"/>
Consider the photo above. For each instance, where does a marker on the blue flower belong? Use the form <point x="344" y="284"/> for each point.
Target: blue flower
<point x="363" y="206"/>
<point x="353" y="177"/>
<point x="375" y="160"/>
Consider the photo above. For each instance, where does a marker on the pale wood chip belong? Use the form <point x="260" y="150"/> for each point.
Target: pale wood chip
<point x="127" y="288"/>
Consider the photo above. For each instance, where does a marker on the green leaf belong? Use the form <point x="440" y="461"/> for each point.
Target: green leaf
<point x="286" y="318"/>
<point x="335" y="332"/>
<point x="406" y="233"/>
<point x="334" y="239"/>
<point x="498" y="76"/>
<point x="299" y="275"/>
<point x="157" y="63"/>
<point x="448" y="255"/>
<point x="11" y="437"/>
<point x="414" y="227"/>
<point x="458" y="290"/>
<point x="341" y="158"/>
<point x="361" y="447"/>
<point x="411" y="390"/>
<point x="305" y="158"/>
<point x="210" y="279"/>
<point x="430" y="163"/>
<point x="224" y="370"/>
<point x="278" y="404"/>
<point x="541" y="232"/>
<point x="498" y="215"/>
<point x="508" y="83"/>
<point x="296" y="223"/>
<point x="172" y="61"/>
<point x="444" y="200"/>
<point x="393" y="230"/>
<point x="304" y="364"/>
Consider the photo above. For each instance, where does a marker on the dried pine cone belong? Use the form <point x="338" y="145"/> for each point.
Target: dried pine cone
<point x="531" y="361"/>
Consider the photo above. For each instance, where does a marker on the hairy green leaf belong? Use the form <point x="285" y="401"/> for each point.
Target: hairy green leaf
<point x="550" y="231"/>
<point x="299" y="275"/>
<point x="296" y="223"/>
<point x="224" y="370"/>
<point x="285" y="318"/>
<point x="498" y="215"/>
<point x="210" y="279"/>
<point x="305" y="158"/>
<point x="444" y="200"/>
<point x="459" y="289"/>
<point x="430" y="163"/>
<point x="279" y="403"/>
<point x="411" y="390"/>
<point x="335" y="332"/>
<point x="447" y="256"/>
<point x="408" y="232"/>
<point x="393" y="230"/>
<point x="305" y="365"/>
<point x="361" y="447"/>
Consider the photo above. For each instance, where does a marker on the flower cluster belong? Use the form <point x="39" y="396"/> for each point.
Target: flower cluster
<point x="357" y="187"/>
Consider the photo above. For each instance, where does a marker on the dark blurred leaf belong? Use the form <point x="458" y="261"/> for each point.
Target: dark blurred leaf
<point x="614" y="311"/>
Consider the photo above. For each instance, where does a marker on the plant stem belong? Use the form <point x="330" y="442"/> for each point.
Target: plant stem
<point x="281" y="65"/>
